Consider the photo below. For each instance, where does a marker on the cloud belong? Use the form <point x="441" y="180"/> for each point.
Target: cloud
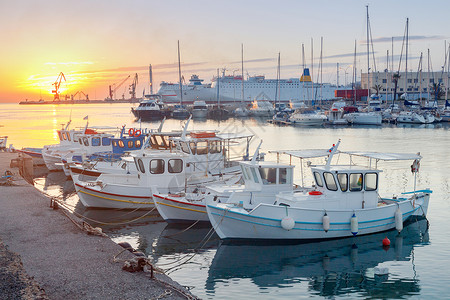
<point x="258" y="60"/>
<point x="70" y="63"/>
<point x="347" y="55"/>
<point x="400" y="38"/>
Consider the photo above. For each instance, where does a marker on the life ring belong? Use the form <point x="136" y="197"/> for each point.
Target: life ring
<point x="137" y="133"/>
<point x="315" y="193"/>
<point x="131" y="131"/>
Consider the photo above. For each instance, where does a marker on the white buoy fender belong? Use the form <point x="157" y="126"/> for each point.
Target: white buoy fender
<point x="354" y="224"/>
<point x="326" y="222"/>
<point x="287" y="223"/>
<point x="398" y="220"/>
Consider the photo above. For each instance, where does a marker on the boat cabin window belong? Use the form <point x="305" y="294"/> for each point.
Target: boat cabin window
<point x="106" y="141"/>
<point x="371" y="181"/>
<point x="318" y="178"/>
<point x="285" y="176"/>
<point x="60" y="135"/>
<point x="114" y="143"/>
<point x="329" y="181"/>
<point x="68" y="136"/>
<point x="356" y="182"/>
<point x="215" y="147"/>
<point x="85" y="141"/>
<point x="121" y="144"/>
<point x="343" y="181"/>
<point x="185" y="147"/>
<point x="130" y="144"/>
<point x="64" y="136"/>
<point x="268" y="175"/>
<point x="255" y="177"/>
<point x="80" y="141"/>
<point x="157" y="166"/>
<point x="140" y="165"/>
<point x="193" y="147"/>
<point x="175" y="166"/>
<point x="95" y="141"/>
<point x="159" y="142"/>
<point x="202" y="148"/>
<point x="138" y="144"/>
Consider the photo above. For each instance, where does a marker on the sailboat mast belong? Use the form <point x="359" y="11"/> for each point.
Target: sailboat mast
<point x="368" y="56"/>
<point x="406" y="59"/>
<point x="387" y="71"/>
<point x="428" y="65"/>
<point x="277" y="90"/>
<point x="354" y="77"/>
<point x="448" y="67"/>
<point x="303" y="64"/>
<point x="242" y="72"/>
<point x="321" y="82"/>
<point x="179" y="74"/>
<point x="151" y="79"/>
<point x="312" y="69"/>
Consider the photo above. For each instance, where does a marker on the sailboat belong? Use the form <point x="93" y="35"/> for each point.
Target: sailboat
<point x="180" y="112"/>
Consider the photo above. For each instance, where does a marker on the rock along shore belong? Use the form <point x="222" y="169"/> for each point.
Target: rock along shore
<point x="45" y="256"/>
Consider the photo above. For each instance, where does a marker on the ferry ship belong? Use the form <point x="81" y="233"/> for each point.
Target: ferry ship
<point x="229" y="89"/>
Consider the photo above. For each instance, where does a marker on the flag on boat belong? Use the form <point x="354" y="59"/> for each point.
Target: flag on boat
<point x="85" y="118"/>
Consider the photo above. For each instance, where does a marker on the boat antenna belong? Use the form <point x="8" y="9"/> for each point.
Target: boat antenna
<point x="179" y="74"/>
<point x="255" y="155"/>
<point x="332" y="151"/>
<point x="161" y="125"/>
<point x="183" y="135"/>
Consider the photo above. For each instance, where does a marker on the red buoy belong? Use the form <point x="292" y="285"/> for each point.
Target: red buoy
<point x="386" y="242"/>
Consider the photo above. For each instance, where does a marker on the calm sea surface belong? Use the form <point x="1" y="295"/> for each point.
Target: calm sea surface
<point x="418" y="259"/>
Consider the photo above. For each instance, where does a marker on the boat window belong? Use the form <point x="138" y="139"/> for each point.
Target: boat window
<point x="244" y="173"/>
<point x="343" y="181"/>
<point x="85" y="141"/>
<point x="130" y="144"/>
<point x="106" y="141"/>
<point x="114" y="143"/>
<point x="371" y="180"/>
<point x="80" y="141"/>
<point x="138" y="143"/>
<point x="356" y="182"/>
<point x="158" y="142"/>
<point x="283" y="175"/>
<point x="124" y="166"/>
<point x="140" y="165"/>
<point x="60" y="136"/>
<point x="268" y="175"/>
<point x="68" y="136"/>
<point x="193" y="147"/>
<point x="329" y="181"/>
<point x="95" y="141"/>
<point x="184" y="147"/>
<point x="255" y="177"/>
<point x="202" y="148"/>
<point x="175" y="166"/>
<point x="121" y="144"/>
<point x="318" y="178"/>
<point x="157" y="166"/>
<point x="215" y="146"/>
<point x="64" y="136"/>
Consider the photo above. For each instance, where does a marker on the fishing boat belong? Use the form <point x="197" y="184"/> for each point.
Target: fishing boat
<point x="34" y="153"/>
<point x="195" y="160"/>
<point x="343" y="202"/>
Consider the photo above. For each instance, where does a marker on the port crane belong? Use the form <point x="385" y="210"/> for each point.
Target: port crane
<point x="112" y="91"/>
<point x="81" y="93"/>
<point x="57" y="84"/>
<point x="133" y="87"/>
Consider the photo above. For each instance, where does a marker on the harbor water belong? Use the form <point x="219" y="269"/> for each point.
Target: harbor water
<point x="414" y="266"/>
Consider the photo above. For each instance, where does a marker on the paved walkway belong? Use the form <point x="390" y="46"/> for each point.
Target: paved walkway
<point x="66" y="262"/>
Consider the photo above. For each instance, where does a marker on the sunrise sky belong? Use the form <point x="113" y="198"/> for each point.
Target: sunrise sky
<point x="100" y="42"/>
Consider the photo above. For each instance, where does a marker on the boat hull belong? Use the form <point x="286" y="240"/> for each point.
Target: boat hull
<point x="179" y="210"/>
<point x="264" y="222"/>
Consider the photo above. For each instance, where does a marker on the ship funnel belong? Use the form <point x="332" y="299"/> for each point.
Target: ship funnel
<point x="306" y="77"/>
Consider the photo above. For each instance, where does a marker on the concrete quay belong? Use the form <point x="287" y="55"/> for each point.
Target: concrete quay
<point x="43" y="255"/>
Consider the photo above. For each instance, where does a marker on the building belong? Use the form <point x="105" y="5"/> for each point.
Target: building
<point x="416" y="85"/>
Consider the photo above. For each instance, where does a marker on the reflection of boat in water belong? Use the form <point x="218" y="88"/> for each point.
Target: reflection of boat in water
<point x="176" y="239"/>
<point x="331" y="267"/>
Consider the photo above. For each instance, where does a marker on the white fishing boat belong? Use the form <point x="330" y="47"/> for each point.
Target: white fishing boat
<point x="203" y="158"/>
<point x="344" y="202"/>
<point x="364" y="118"/>
<point x="199" y="109"/>
<point x="307" y="118"/>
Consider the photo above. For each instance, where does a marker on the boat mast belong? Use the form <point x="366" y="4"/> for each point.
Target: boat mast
<point x="277" y="89"/>
<point x="387" y="71"/>
<point x="303" y="72"/>
<point x="242" y="72"/>
<point x="312" y="68"/>
<point x="218" y="95"/>
<point x="151" y="79"/>
<point x="420" y="77"/>
<point x="428" y="85"/>
<point x="406" y="60"/>
<point x="368" y="56"/>
<point x="354" y="77"/>
<point x="321" y="82"/>
<point x="179" y="74"/>
<point x="448" y="67"/>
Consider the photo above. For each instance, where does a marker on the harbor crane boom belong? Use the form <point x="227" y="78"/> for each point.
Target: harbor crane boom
<point x="112" y="91"/>
<point x="57" y="84"/>
<point x="133" y="87"/>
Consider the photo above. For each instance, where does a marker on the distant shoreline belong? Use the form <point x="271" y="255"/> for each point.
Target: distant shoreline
<point x="41" y="102"/>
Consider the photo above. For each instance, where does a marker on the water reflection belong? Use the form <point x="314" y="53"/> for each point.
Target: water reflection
<point x="330" y="268"/>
